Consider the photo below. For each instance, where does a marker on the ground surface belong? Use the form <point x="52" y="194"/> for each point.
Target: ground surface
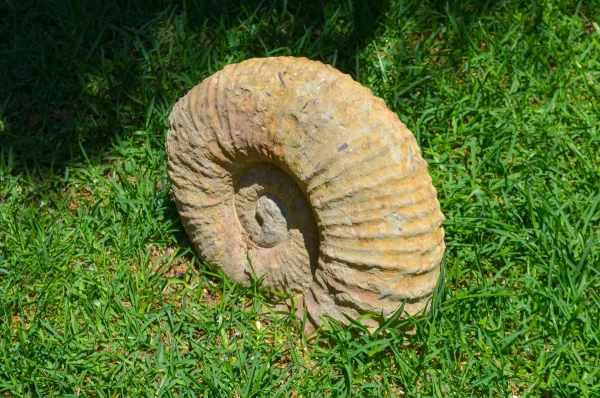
<point x="100" y="294"/>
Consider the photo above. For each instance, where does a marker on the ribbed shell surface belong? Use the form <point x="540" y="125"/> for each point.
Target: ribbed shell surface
<point x="367" y="232"/>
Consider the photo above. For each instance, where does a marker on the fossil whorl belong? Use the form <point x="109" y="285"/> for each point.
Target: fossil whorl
<point x="292" y="165"/>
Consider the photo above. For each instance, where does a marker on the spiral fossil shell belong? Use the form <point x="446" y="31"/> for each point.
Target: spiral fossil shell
<point x="288" y="170"/>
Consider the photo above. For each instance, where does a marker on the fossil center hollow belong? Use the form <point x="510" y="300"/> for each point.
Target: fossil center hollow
<point x="273" y="218"/>
<point x="273" y="210"/>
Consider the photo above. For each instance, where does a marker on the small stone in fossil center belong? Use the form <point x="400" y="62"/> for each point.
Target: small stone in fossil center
<point x="274" y="220"/>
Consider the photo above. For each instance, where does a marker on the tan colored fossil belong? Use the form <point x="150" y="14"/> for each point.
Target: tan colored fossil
<point x="293" y="165"/>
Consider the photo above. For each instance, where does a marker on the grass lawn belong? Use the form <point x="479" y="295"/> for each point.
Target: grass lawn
<point x="102" y="295"/>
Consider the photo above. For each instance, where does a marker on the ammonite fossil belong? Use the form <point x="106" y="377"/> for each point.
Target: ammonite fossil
<point x="286" y="169"/>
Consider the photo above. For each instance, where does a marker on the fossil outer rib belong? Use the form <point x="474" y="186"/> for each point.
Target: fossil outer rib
<point x="292" y="165"/>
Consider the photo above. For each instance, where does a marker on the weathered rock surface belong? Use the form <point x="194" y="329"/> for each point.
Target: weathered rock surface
<point x="292" y="164"/>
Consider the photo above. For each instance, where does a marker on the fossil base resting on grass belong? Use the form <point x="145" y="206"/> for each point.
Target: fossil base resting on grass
<point x="292" y="165"/>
